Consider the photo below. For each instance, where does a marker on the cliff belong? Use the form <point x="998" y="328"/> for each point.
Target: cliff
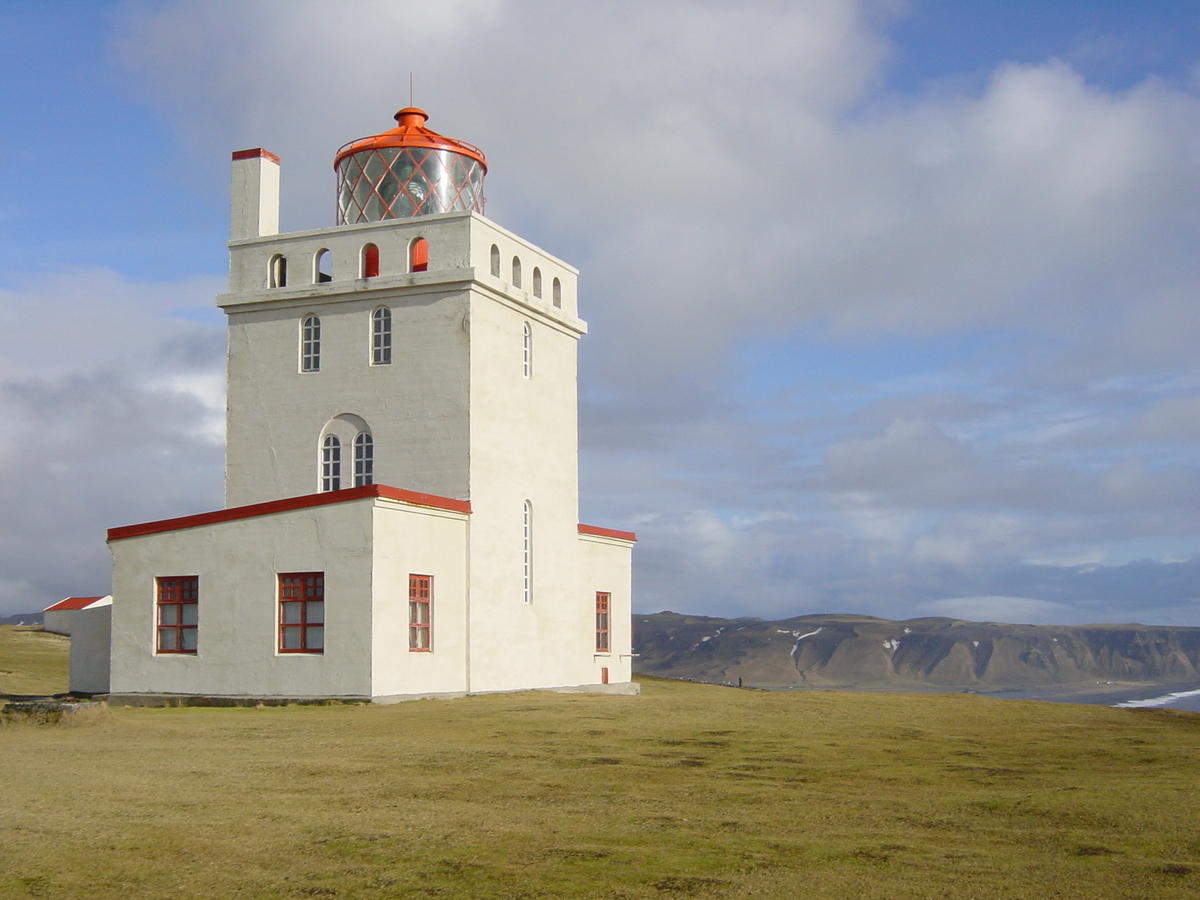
<point x="842" y="650"/>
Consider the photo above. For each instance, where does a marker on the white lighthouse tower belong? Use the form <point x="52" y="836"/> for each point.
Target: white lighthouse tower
<point x="401" y="476"/>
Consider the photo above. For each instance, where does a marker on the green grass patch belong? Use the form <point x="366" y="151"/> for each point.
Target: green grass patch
<point x="33" y="661"/>
<point x="686" y="791"/>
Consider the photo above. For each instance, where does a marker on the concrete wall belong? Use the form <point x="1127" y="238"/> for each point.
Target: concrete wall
<point x="433" y="543"/>
<point x="417" y="406"/>
<point x="605" y="564"/>
<point x="58" y="621"/>
<point x="237" y="564"/>
<point x="91" y="643"/>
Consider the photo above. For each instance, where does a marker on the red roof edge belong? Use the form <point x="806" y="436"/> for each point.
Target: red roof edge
<point x="72" y="603"/>
<point x="597" y="531"/>
<point x="287" y="504"/>
<point x="256" y="153"/>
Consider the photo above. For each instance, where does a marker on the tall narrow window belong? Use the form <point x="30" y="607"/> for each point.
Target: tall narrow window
<point x="602" y="601"/>
<point x="364" y="460"/>
<point x="310" y="344"/>
<point x="526" y="350"/>
<point x="323" y="267"/>
<point x="556" y="293"/>
<point x="527" y="552"/>
<point x="420" y="612"/>
<point x="418" y="256"/>
<point x="537" y="282"/>
<point x="331" y="464"/>
<point x="495" y="261"/>
<point x="178" y="604"/>
<point x="277" y="274"/>
<point x="370" y="261"/>
<point x="516" y="272"/>
<point x="302" y="612"/>
<point x="381" y="337"/>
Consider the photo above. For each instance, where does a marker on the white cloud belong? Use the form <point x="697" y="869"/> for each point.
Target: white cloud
<point x="727" y="174"/>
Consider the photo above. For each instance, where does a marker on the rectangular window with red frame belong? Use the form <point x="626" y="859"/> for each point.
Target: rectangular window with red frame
<point x="602" y="601"/>
<point x="178" y="609"/>
<point x="302" y="612"/>
<point x="420" y="613"/>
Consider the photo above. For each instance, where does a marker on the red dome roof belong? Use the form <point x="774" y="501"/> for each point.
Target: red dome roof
<point x="410" y="132"/>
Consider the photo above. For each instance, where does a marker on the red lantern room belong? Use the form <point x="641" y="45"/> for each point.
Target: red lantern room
<point x="408" y="171"/>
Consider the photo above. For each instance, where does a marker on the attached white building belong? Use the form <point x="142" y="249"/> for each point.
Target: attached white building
<point x="401" y="474"/>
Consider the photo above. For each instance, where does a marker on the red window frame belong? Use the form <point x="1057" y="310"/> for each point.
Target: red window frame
<point x="420" y="613"/>
<point x="302" y="612"/>
<point x="603" y="603"/>
<point x="177" y="602"/>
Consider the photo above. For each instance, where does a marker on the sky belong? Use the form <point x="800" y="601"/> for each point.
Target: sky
<point x="893" y="306"/>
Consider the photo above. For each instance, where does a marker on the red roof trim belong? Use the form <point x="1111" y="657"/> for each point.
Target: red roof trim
<point x="256" y="153"/>
<point x="597" y="531"/>
<point x="286" y="505"/>
<point x="72" y="603"/>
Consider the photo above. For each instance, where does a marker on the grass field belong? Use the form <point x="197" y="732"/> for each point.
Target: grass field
<point x="686" y="791"/>
<point x="33" y="661"/>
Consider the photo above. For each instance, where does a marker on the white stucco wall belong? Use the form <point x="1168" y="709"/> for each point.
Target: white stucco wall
<point x="433" y="543"/>
<point x="58" y="621"/>
<point x="366" y="549"/>
<point x="605" y="565"/>
<point x="238" y="564"/>
<point x="91" y="642"/>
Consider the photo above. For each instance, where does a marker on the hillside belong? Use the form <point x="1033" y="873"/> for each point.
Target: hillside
<point x="844" y="650"/>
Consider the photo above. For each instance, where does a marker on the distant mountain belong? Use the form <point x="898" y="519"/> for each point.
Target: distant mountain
<point x="846" y="650"/>
<point x="23" y="619"/>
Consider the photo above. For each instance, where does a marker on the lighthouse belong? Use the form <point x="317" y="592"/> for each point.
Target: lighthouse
<point x="401" y="469"/>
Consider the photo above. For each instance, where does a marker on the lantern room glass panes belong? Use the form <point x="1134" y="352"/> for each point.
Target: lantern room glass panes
<point x="400" y="182"/>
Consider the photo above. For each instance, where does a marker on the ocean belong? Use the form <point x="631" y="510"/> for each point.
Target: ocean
<point x="1162" y="696"/>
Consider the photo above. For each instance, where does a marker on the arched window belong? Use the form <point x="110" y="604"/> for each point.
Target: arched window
<point x="526" y="350"/>
<point x="322" y="267"/>
<point x="495" y="261"/>
<point x="527" y="551"/>
<point x="364" y="460"/>
<point x="310" y="344"/>
<point x="277" y="271"/>
<point x="516" y="272"/>
<point x="331" y="464"/>
<point x="370" y="261"/>
<point x="381" y="337"/>
<point x="418" y="256"/>
<point x="537" y="282"/>
<point x="556" y="293"/>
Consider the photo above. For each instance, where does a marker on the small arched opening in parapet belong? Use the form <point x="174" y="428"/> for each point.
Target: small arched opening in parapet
<point x="322" y="267"/>
<point x="418" y="255"/>
<point x="537" y="282"/>
<point x="495" y="261"/>
<point x="369" y="261"/>
<point x="516" y="272"/>
<point x="556" y="293"/>
<point x="277" y="271"/>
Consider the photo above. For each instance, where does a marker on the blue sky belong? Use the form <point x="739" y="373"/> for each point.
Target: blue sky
<point x="893" y="305"/>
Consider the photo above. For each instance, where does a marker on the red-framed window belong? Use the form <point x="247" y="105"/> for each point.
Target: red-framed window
<point x="178" y="611"/>
<point x="302" y="612"/>
<point x="420" y="613"/>
<point x="602" y="603"/>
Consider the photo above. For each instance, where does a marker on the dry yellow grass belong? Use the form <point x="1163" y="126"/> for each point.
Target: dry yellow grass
<point x="686" y="791"/>
<point x="33" y="661"/>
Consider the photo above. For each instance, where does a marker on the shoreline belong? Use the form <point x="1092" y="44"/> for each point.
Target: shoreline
<point x="1129" y="694"/>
